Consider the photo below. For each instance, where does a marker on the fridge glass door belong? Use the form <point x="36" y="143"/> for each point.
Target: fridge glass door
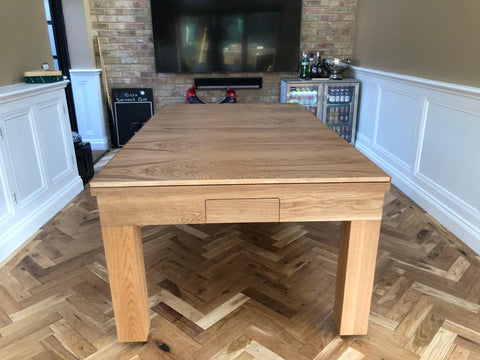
<point x="305" y="95"/>
<point x="339" y="108"/>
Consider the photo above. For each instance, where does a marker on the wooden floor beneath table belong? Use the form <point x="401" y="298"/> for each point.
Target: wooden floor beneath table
<point x="242" y="291"/>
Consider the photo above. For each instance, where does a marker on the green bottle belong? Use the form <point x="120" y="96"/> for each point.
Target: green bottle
<point x="305" y="69"/>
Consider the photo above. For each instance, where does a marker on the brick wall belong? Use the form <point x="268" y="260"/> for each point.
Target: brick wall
<point x="124" y="28"/>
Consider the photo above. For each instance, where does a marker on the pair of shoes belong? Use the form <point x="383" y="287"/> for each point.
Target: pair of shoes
<point x="193" y="99"/>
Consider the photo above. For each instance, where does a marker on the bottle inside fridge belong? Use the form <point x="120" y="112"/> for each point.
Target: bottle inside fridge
<point x="335" y="102"/>
<point x="339" y="107"/>
<point x="306" y="96"/>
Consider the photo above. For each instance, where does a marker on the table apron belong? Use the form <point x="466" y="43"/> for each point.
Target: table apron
<point x="169" y="205"/>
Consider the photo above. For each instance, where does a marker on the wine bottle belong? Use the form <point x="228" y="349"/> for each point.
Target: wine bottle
<point x="347" y="96"/>
<point x="310" y="64"/>
<point x="304" y="72"/>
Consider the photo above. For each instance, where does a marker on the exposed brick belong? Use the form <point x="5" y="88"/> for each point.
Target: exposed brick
<point x="124" y="4"/>
<point x="126" y="18"/>
<point x="114" y="11"/>
<point x="106" y="18"/>
<point x="131" y="74"/>
<point x="120" y="67"/>
<point x="115" y="26"/>
<point x="135" y="26"/>
<point x="97" y="11"/>
<point x="129" y="60"/>
<point x="97" y="26"/>
<point x="116" y="74"/>
<point x="141" y="11"/>
<point x="125" y="31"/>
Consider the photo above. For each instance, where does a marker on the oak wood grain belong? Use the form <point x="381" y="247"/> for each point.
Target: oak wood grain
<point x="242" y="210"/>
<point x="239" y="163"/>
<point x="126" y="273"/>
<point x="236" y="144"/>
<point x="355" y="272"/>
<point x="186" y="204"/>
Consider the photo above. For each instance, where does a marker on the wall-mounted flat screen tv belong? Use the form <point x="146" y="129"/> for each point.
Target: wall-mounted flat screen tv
<point x="195" y="36"/>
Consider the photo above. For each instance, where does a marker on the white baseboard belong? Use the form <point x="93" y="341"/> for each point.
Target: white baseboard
<point x="430" y="204"/>
<point x="11" y="241"/>
<point x="410" y="127"/>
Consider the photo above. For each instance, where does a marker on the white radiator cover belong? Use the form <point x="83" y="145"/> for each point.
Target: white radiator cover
<point x="87" y="96"/>
<point x="426" y="135"/>
<point x="38" y="168"/>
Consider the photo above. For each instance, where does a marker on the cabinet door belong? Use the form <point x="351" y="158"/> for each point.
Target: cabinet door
<point x="22" y="156"/>
<point x="6" y="198"/>
<point x="53" y="137"/>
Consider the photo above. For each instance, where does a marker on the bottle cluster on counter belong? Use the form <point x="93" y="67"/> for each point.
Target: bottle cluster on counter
<point x="311" y="68"/>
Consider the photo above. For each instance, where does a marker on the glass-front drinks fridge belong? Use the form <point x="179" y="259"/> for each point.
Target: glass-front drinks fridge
<point x="335" y="102"/>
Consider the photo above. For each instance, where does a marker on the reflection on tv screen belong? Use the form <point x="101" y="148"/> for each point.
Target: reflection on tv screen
<point x="218" y="36"/>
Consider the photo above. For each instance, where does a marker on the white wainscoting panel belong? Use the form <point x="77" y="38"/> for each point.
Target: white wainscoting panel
<point x="367" y="111"/>
<point x="38" y="170"/>
<point x="87" y="97"/>
<point x="24" y="155"/>
<point x="397" y="112"/>
<point x="50" y="125"/>
<point x="6" y="211"/>
<point x="454" y="163"/>
<point x="426" y="135"/>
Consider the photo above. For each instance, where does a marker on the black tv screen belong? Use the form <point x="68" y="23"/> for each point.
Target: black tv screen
<point x="226" y="35"/>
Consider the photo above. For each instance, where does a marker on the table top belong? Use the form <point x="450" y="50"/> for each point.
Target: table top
<point x="220" y="144"/>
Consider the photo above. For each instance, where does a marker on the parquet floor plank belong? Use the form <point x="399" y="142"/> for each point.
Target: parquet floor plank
<point x="242" y="291"/>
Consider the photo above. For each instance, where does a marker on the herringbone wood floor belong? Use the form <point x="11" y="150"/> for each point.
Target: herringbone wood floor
<point x="242" y="291"/>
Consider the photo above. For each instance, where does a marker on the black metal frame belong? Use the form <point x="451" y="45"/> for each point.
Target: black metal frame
<point x="63" y="56"/>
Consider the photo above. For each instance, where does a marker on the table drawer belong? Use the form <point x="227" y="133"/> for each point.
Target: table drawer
<point x="242" y="210"/>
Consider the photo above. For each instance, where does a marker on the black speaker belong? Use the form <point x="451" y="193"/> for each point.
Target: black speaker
<point x="132" y="108"/>
<point x="83" y="153"/>
<point x="233" y="82"/>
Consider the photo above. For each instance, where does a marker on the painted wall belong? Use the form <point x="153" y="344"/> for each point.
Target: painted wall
<point x="80" y="43"/>
<point x="24" y="42"/>
<point x="433" y="39"/>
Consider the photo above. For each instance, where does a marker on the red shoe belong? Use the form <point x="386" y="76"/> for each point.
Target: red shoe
<point x="192" y="96"/>
<point x="231" y="97"/>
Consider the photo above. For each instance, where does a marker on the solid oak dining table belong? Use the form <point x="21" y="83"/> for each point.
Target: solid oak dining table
<point x="238" y="163"/>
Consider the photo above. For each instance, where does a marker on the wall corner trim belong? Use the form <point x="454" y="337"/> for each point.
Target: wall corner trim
<point x="427" y="83"/>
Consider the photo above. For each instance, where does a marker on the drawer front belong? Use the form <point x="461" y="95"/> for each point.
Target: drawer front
<point x="242" y="210"/>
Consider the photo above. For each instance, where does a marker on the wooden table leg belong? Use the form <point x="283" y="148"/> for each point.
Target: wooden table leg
<point x="126" y="272"/>
<point x="355" y="273"/>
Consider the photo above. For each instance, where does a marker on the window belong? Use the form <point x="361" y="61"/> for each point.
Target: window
<point x="59" y="46"/>
<point x="51" y="33"/>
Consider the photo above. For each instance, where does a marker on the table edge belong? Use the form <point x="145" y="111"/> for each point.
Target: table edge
<point x="146" y="183"/>
<point x="98" y="190"/>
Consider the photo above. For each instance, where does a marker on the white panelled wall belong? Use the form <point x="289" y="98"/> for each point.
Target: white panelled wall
<point x="87" y="96"/>
<point x="426" y="135"/>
